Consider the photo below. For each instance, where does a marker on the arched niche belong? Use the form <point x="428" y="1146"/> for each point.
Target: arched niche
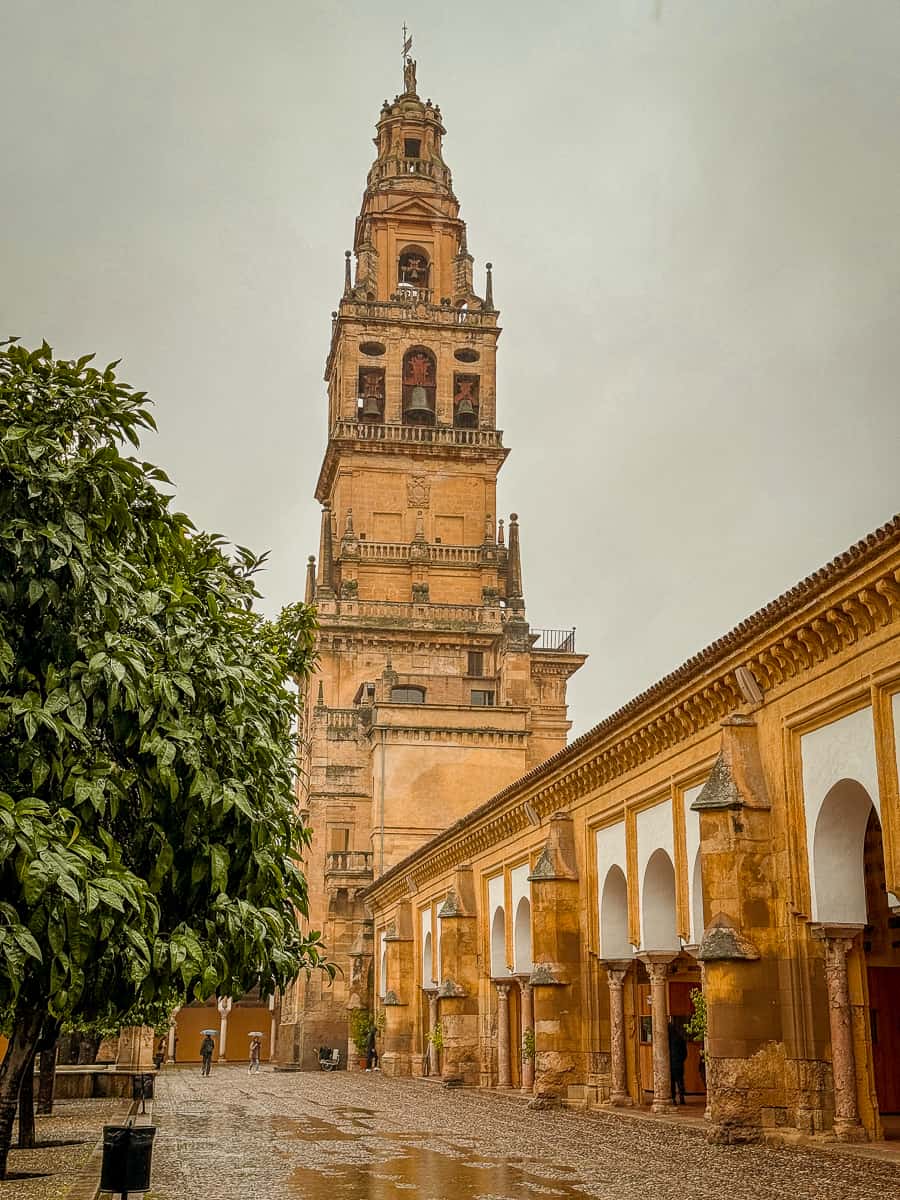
<point x="522" y="936"/>
<point x="838" y="844"/>
<point x="614" y="941"/>
<point x="498" y="943"/>
<point x="658" y="931"/>
<point x="427" y="962"/>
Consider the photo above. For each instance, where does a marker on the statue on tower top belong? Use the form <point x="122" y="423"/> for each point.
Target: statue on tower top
<point x="409" y="77"/>
<point x="409" y="66"/>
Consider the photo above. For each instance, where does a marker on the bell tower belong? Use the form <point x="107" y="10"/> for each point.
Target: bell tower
<point x="433" y="692"/>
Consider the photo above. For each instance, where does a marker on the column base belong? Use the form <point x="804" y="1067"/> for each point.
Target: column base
<point x="849" y="1131"/>
<point x="621" y="1100"/>
<point x="662" y="1106"/>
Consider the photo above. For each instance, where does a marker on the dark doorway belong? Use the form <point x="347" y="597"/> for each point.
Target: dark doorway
<point x="882" y="950"/>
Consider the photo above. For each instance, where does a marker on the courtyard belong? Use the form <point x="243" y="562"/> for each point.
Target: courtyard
<point x="345" y="1136"/>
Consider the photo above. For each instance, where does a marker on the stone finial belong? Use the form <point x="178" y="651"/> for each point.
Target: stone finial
<point x="348" y="283"/>
<point x="489" y="288"/>
<point x="348" y="523"/>
<point x="557" y="858"/>
<point x="326" y="553"/>
<point x="736" y="779"/>
<point x="320" y="698"/>
<point x="489" y="530"/>
<point x="722" y="942"/>
<point x="514" y="561"/>
<point x="501" y="534"/>
<point x="309" y="596"/>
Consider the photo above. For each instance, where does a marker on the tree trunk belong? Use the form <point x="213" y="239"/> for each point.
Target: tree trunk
<point x="26" y="1108"/>
<point x="19" y="1055"/>
<point x="47" y="1079"/>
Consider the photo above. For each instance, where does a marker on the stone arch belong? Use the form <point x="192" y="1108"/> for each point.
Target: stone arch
<point x="614" y="941"/>
<point x="837" y="854"/>
<point x="522" y="936"/>
<point x="658" y="931"/>
<point x="427" y="961"/>
<point x="498" y="942"/>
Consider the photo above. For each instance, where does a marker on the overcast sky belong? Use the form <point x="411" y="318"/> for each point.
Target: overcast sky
<point x="692" y="207"/>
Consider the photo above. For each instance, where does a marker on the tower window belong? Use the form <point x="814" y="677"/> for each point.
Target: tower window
<point x="407" y="695"/>
<point x="412" y="147"/>
<point x="370" y="394"/>
<point x="476" y="664"/>
<point x="419" y="380"/>
<point x="465" y="401"/>
<point x="482" y="699"/>
<point x="413" y="270"/>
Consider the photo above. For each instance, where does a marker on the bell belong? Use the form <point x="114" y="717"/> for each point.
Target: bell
<point x="465" y="412"/>
<point x="371" y="408"/>
<point x="418" y="405"/>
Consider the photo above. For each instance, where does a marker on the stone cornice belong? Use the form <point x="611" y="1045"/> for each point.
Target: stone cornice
<point x="833" y="609"/>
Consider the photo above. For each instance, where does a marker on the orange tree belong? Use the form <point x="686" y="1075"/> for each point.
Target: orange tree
<point x="149" y="842"/>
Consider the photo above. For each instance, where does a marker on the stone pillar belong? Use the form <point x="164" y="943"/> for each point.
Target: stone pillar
<point x="658" y="969"/>
<point x="224" y="1010"/>
<point x="396" y="1054"/>
<point x="173" y="1033"/>
<point x="458" y="992"/>
<point x="837" y="941"/>
<point x="434" y="1016"/>
<point x="273" y="1031"/>
<point x="556" y="936"/>
<point x="527" y="1023"/>
<point x="504" y="1068"/>
<point x="616" y="971"/>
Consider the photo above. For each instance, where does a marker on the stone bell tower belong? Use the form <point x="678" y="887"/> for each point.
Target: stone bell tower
<point x="432" y="691"/>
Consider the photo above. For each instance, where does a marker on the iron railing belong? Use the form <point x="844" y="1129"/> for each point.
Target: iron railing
<point x="562" y="641"/>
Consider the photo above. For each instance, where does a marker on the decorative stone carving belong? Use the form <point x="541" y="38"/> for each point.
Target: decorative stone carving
<point x="418" y="492"/>
<point x="838" y="941"/>
<point x="616" y="971"/>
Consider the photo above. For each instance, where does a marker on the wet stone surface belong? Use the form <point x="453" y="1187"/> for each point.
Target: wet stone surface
<point x="305" y="1136"/>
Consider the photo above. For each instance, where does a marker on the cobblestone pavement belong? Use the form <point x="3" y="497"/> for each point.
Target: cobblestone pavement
<point x="306" y="1136"/>
<point x="65" y="1141"/>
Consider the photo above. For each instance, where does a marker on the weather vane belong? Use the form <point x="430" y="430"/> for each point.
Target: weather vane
<point x="409" y="67"/>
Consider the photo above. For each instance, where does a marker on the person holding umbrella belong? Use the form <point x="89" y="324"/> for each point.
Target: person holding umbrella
<point x="255" y="1050"/>
<point x="206" y="1049"/>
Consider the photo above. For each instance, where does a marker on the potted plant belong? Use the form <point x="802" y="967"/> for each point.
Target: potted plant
<point x="361" y="1024"/>
<point x="528" y="1046"/>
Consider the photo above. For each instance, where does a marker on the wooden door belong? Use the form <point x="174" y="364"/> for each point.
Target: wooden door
<point x="681" y="1008"/>
<point x="884" y="1015"/>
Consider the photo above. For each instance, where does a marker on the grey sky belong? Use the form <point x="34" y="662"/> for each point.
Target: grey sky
<point x="692" y="208"/>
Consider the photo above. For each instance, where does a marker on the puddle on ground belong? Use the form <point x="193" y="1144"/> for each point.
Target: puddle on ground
<point x="386" y="1167"/>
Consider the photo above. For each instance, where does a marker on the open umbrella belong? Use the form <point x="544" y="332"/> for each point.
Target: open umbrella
<point x="256" y="1033"/>
<point x="210" y="1032"/>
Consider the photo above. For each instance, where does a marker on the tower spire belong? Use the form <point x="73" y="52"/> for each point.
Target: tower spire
<point x="514" y="563"/>
<point x="310" y="596"/>
<point x="326" y="555"/>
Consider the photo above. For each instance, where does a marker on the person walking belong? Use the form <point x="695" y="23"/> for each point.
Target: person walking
<point x="677" y="1059"/>
<point x="255" y="1048"/>
<point x="206" y="1052"/>
<point x="371" y="1052"/>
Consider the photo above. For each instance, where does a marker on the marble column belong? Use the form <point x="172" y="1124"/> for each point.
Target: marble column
<point x="504" y="1070"/>
<point x="837" y="941"/>
<point x="224" y="1009"/>
<point x="657" y="965"/>
<point x="527" y="1023"/>
<point x="616" y="971"/>
<point x="434" y="1016"/>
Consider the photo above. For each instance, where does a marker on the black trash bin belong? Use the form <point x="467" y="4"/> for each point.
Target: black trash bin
<point x="127" y="1153"/>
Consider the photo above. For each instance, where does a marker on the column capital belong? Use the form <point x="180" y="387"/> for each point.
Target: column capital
<point x="657" y="963"/>
<point x="524" y="982"/>
<point x="616" y="970"/>
<point x="824" y="931"/>
<point x="502" y="986"/>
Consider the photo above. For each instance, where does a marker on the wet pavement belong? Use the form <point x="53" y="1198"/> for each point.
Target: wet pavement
<point x="306" y="1136"/>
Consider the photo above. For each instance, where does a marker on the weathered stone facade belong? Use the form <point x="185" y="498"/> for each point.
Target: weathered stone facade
<point x="735" y="832"/>
<point x="432" y="689"/>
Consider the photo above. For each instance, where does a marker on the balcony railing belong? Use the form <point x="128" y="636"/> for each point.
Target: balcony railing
<point x="367" y="431"/>
<point x="349" y="862"/>
<point x="404" y="308"/>
<point x="399" y="552"/>
<point x="562" y="641"/>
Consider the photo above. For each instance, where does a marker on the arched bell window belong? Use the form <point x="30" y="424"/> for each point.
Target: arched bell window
<point x="465" y="401"/>
<point x="370" y="394"/>
<point x="414" y="270"/>
<point x="419" y="381"/>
